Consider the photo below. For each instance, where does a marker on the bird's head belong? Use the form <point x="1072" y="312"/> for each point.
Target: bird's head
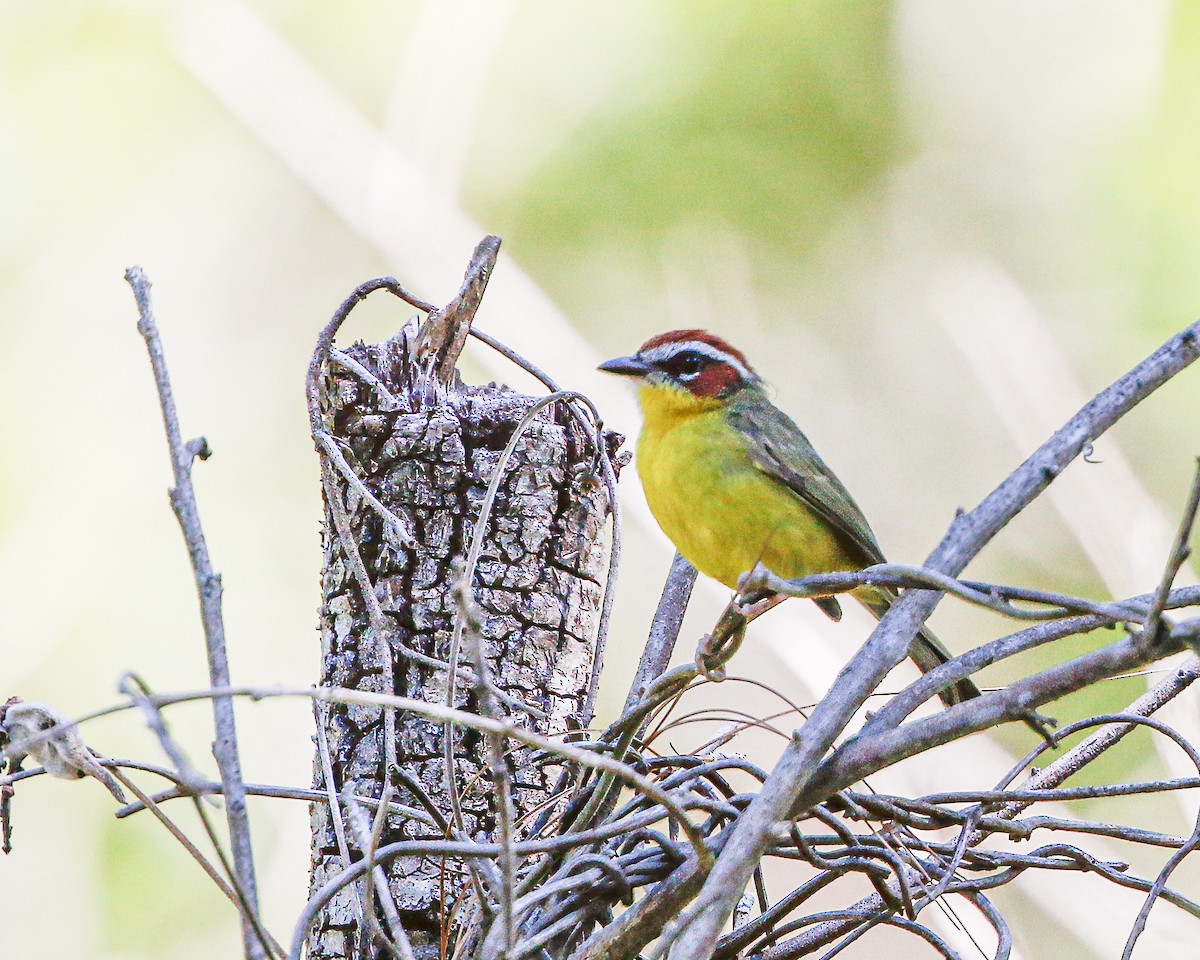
<point x="696" y="363"/>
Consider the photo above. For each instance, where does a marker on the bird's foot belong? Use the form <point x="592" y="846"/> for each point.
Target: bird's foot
<point x="1043" y="726"/>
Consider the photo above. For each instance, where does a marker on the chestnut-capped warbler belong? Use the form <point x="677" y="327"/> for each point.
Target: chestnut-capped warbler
<point x="733" y="482"/>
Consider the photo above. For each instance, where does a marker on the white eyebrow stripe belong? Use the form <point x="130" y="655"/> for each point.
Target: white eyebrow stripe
<point x="666" y="351"/>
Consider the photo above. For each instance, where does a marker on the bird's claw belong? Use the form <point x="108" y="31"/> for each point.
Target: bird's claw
<point x="1043" y="725"/>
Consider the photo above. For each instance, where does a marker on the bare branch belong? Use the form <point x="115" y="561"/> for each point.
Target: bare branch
<point x="445" y="331"/>
<point x="664" y="629"/>
<point x="997" y="597"/>
<point x="1082" y="754"/>
<point x="208" y="584"/>
<point x="1156" y="891"/>
<point x="472" y="631"/>
<point x="235" y="895"/>
<point x="368" y="841"/>
<point x="1180" y="551"/>
<point x="926" y="687"/>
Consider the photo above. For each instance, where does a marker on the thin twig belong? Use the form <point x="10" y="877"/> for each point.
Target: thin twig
<point x="609" y="473"/>
<point x="1083" y="753"/>
<point x="996" y="597"/>
<point x="472" y="632"/>
<point x="321" y="715"/>
<point x="187" y="781"/>
<point x="208" y="584"/>
<point x="1156" y="891"/>
<point x="137" y="690"/>
<point x="400" y="528"/>
<point x="440" y="713"/>
<point x="1180" y="551"/>
<point x="375" y="616"/>
<point x="274" y="791"/>
<point x="387" y="401"/>
<point x="228" y="888"/>
<point x="664" y="628"/>
<point x="397" y="941"/>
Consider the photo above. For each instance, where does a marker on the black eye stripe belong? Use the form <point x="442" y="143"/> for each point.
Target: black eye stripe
<point x="686" y="362"/>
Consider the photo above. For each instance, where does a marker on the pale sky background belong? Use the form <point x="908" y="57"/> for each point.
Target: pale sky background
<point x="936" y="226"/>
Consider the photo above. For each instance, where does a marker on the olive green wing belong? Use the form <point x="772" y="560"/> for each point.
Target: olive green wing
<point x="778" y="448"/>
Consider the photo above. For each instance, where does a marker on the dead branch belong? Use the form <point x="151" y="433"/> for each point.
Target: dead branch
<point x="208" y="584"/>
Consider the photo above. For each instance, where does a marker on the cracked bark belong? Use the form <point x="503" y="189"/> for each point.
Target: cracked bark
<point x="538" y="584"/>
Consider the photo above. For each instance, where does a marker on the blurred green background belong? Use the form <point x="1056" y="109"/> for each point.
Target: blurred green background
<point x="935" y="226"/>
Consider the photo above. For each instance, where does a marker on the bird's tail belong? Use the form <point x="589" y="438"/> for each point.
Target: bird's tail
<point x="926" y="651"/>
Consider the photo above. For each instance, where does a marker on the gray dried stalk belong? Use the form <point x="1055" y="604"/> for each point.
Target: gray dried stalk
<point x="537" y="584"/>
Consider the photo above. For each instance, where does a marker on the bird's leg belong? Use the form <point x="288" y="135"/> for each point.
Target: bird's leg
<point x="1043" y="725"/>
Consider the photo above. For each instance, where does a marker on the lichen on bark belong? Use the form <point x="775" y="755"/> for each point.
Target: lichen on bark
<point x="538" y="583"/>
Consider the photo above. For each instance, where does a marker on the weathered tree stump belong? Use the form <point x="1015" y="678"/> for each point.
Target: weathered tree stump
<point x="426" y="451"/>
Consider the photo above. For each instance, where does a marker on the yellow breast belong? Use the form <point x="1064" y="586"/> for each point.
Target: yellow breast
<point x="721" y="512"/>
